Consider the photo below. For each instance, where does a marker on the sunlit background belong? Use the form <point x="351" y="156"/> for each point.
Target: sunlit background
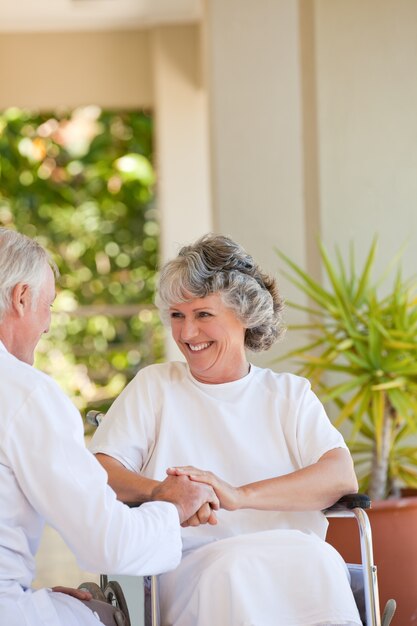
<point x="276" y="123"/>
<point x="82" y="182"/>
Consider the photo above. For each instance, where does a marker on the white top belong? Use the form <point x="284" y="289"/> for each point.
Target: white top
<point x="46" y="474"/>
<point x="260" y="426"/>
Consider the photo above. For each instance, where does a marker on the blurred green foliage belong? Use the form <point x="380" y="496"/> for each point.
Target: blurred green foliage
<point x="82" y="183"/>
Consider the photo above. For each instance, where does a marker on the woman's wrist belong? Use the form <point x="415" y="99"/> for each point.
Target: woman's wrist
<point x="241" y="498"/>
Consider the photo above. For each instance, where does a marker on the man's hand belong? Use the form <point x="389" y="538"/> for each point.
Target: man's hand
<point x="80" y="594"/>
<point x="204" y="515"/>
<point x="195" y="501"/>
<point x="228" y="495"/>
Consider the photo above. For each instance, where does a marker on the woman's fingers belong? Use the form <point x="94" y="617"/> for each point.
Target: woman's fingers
<point x="194" y="473"/>
<point x="184" y="469"/>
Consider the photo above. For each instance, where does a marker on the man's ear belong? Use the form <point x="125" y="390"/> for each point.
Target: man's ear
<point x="21" y="298"/>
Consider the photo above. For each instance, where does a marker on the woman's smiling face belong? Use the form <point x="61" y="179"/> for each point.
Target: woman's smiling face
<point x="211" y="337"/>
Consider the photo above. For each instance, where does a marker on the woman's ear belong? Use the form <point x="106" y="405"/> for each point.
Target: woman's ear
<point x="21" y="298"/>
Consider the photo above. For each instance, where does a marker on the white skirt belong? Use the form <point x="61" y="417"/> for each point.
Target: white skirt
<point x="270" y="578"/>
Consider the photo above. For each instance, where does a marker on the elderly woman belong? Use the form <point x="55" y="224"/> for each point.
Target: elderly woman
<point x="260" y="438"/>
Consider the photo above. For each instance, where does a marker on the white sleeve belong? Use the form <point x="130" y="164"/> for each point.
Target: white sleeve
<point x="128" y="431"/>
<point x="67" y="486"/>
<point x="316" y="435"/>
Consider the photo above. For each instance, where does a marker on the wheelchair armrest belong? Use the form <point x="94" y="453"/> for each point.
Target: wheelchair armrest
<point x="350" y="501"/>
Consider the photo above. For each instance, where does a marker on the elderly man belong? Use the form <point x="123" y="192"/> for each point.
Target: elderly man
<point x="46" y="474"/>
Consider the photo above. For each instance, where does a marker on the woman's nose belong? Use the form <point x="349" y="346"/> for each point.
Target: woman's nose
<point x="189" y="329"/>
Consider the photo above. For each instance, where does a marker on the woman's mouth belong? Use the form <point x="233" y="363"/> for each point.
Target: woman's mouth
<point x="197" y="347"/>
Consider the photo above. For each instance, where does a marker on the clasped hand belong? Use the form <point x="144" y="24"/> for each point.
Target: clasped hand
<point x="195" y="503"/>
<point x="229" y="496"/>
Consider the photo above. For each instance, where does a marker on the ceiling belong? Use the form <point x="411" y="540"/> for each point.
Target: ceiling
<point x="67" y="15"/>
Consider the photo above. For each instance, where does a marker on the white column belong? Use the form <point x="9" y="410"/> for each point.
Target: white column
<point x="181" y="134"/>
<point x="180" y="105"/>
<point x="256" y="124"/>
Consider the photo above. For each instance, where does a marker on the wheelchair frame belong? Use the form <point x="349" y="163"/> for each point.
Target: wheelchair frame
<point x="351" y="505"/>
<point x="354" y="505"/>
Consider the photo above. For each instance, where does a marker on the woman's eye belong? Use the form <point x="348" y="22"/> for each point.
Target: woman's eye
<point x="175" y="314"/>
<point x="204" y="314"/>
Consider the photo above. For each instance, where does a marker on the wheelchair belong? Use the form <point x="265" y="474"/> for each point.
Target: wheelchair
<point x="363" y="576"/>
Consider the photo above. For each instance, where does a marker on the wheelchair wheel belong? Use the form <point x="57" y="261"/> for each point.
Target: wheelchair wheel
<point x="115" y="596"/>
<point x="95" y="591"/>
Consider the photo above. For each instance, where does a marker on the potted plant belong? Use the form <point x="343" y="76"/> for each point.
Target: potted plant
<point x="361" y="354"/>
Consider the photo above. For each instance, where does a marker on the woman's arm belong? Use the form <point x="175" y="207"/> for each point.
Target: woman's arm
<point x="130" y="487"/>
<point x="311" y="488"/>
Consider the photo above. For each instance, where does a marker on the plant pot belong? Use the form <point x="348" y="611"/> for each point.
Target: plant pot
<point x="394" y="538"/>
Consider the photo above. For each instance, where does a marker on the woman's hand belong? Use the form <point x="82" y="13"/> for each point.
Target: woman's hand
<point x="229" y="496"/>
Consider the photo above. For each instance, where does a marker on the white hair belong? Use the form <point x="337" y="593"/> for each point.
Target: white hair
<point x="217" y="264"/>
<point x="22" y="260"/>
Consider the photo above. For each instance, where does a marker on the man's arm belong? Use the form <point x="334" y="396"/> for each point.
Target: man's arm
<point x="75" y="497"/>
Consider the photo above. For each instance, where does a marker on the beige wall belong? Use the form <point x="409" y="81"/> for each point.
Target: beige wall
<point x="313" y="126"/>
<point x="48" y="70"/>
<point x="254" y="86"/>
<point x="367" y="103"/>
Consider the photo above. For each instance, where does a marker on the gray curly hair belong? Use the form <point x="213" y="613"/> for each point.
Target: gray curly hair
<point x="216" y="264"/>
<point x="22" y="260"/>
